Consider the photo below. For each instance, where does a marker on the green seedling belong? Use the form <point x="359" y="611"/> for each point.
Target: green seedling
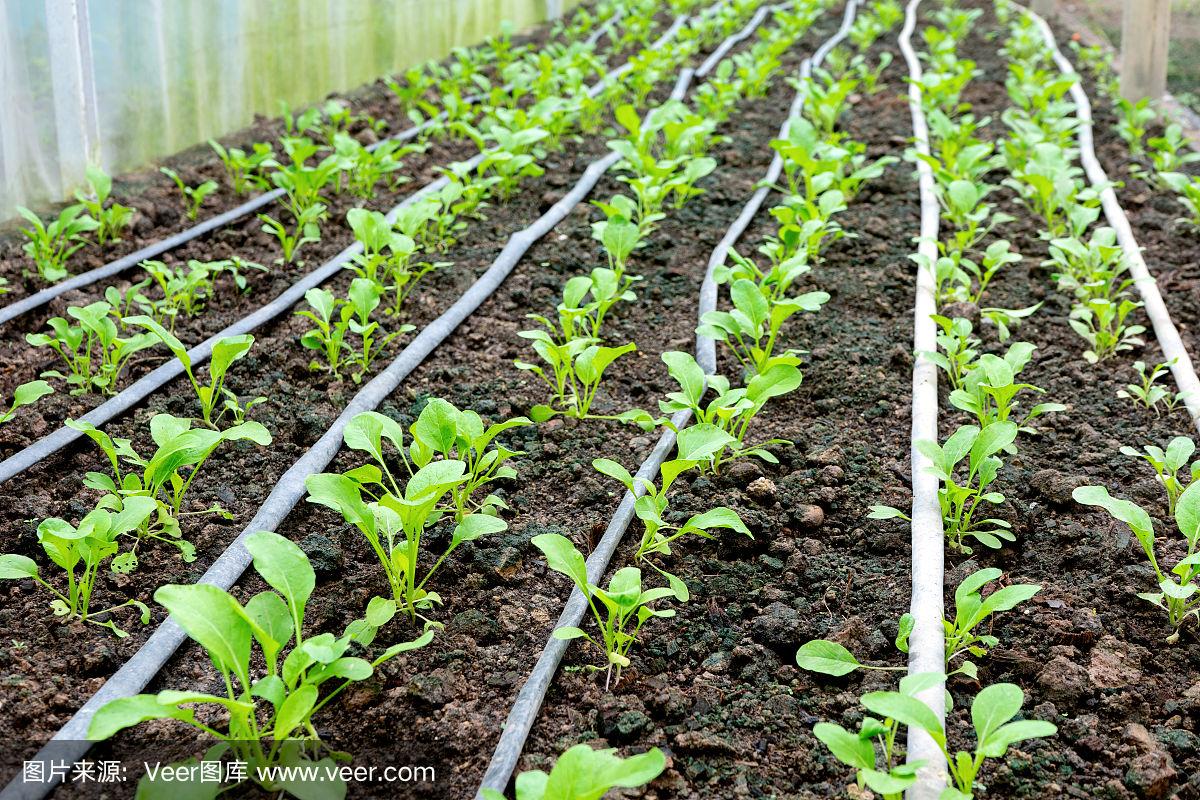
<point x="112" y="219"/>
<point x="627" y="606"/>
<point x="193" y="196"/>
<point x="50" y="246"/>
<point x="93" y="353"/>
<point x="26" y="395"/>
<point x="264" y="722"/>
<point x="245" y="170"/>
<point x="80" y="552"/>
<point x="582" y="773"/>
<point x="1146" y="393"/>
<point x="1177" y="590"/>
<point x="1168" y="465"/>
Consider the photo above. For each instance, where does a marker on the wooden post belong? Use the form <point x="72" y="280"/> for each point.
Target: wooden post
<point x="1145" y="39"/>
<point x="1043" y="8"/>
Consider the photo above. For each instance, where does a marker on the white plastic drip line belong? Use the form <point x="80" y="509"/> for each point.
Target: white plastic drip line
<point x="1160" y="318"/>
<point x="69" y="744"/>
<point x="142" y="388"/>
<point x="927" y="644"/>
<point x="92" y="276"/>
<point x="529" y="700"/>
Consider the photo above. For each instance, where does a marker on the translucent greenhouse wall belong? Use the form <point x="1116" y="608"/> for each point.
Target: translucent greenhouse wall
<point x="122" y="83"/>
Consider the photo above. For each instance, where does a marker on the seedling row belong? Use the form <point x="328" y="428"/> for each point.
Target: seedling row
<point x="751" y="631"/>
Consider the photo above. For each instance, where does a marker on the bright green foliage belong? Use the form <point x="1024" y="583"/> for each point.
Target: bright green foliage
<point x="1188" y="189"/>
<point x="1177" y="590"/>
<point x="752" y="327"/>
<point x="304" y="185"/>
<point x="363" y="298"/>
<point x="445" y="431"/>
<point x="989" y="389"/>
<point x="92" y="352"/>
<point x="164" y="478"/>
<point x="307" y="230"/>
<point x="395" y="521"/>
<point x="111" y="218"/>
<point x="79" y="552"/>
<point x="651" y="509"/>
<point x="224" y="352"/>
<point x="971" y="610"/>
<point x="51" y="245"/>
<point x="1132" y="121"/>
<point x="186" y="291"/>
<point x="387" y="257"/>
<point x="626" y="605"/>
<point x="268" y="720"/>
<point x="26" y="395"/>
<point x="963" y="492"/>
<point x="331" y="317"/>
<point x="1169" y="465"/>
<point x="193" y="196"/>
<point x="1147" y="393"/>
<point x="992" y="714"/>
<point x="245" y="169"/>
<point x="575" y="365"/>
<point x="582" y="773"/>
<point x="725" y="419"/>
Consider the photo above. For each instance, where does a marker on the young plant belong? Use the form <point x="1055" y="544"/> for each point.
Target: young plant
<point x="961" y="498"/>
<point x="989" y="389"/>
<point x="1188" y="189"/>
<point x="627" y="606"/>
<point x="307" y="231"/>
<point x="363" y="298"/>
<point x="752" y="327"/>
<point x="651" y="509"/>
<point x="972" y="609"/>
<point x="1177" y="590"/>
<point x="51" y="245"/>
<point x="245" y="170"/>
<point x="1146" y="393"/>
<point x="193" y="196"/>
<point x="26" y="395"/>
<point x="332" y="320"/>
<point x="441" y="430"/>
<point x="395" y="521"/>
<point x="721" y="424"/>
<point x="268" y="720"/>
<point x="582" y="773"/>
<point x="186" y="290"/>
<point x="111" y="220"/>
<point x="1168" y="465"/>
<point x="224" y="352"/>
<point x="92" y="352"/>
<point x="80" y="552"/>
<point x="576" y="366"/>
<point x="164" y="478"/>
<point x="1133" y="118"/>
<point x="992" y="714"/>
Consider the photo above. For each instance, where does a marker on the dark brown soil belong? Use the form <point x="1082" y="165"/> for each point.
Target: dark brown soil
<point x="48" y="661"/>
<point x="717" y="687"/>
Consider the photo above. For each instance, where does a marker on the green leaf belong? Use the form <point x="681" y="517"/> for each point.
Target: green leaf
<point x="294" y="711"/>
<point x="993" y="706"/>
<point x="846" y="747"/>
<point x="211" y="617"/>
<point x="561" y="556"/>
<point x="703" y="441"/>
<point x="16" y="567"/>
<point x="285" y="568"/>
<point x="828" y="658"/>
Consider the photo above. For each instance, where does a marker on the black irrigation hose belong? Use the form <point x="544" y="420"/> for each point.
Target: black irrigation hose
<point x="142" y="388"/>
<point x="70" y="744"/>
<point x="92" y="276"/>
<point x="529" y="700"/>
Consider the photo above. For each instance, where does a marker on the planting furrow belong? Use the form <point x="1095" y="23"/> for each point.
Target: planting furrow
<point x="89" y="278"/>
<point x="163" y="374"/>
<point x="1173" y="350"/>
<point x="529" y="700"/>
<point x="235" y="559"/>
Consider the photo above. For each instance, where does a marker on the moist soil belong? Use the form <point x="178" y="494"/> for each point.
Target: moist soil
<point x="241" y="477"/>
<point x="717" y="687"/>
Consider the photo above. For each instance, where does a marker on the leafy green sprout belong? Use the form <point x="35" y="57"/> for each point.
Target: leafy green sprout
<point x="268" y="720"/>
<point x="1147" y="393"/>
<point x="961" y="498"/>
<point x="626" y="605"/>
<point x="51" y="244"/>
<point x="80" y="551"/>
<point x="215" y="399"/>
<point x="582" y="773"/>
<point x="1169" y="465"/>
<point x="1177" y="590"/>
<point x="26" y="395"/>
<point x="93" y="353"/>
<point x="193" y="196"/>
<point x="112" y="219"/>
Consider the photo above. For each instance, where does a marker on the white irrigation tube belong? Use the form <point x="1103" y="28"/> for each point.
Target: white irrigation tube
<point x="529" y="700"/>
<point x="85" y="279"/>
<point x="70" y="744"/>
<point x="142" y="388"/>
<point x="1160" y="318"/>
<point x="927" y="644"/>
